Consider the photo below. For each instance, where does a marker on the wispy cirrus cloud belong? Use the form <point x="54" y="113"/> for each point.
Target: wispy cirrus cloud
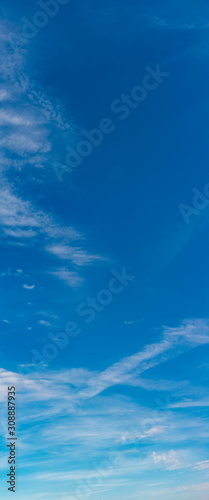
<point x="204" y="465"/>
<point x="164" y="15"/>
<point x="28" y="117"/>
<point x="71" y="407"/>
<point x="172" y="16"/>
<point x="83" y="384"/>
<point x="191" y="403"/>
<point x="76" y="254"/>
<point x="150" y="433"/>
<point x="23" y="223"/>
<point x="175" y="341"/>
<point x="71" y="278"/>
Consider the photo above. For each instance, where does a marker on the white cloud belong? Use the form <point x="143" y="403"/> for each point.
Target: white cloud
<point x="44" y="322"/>
<point x="189" y="403"/>
<point x="150" y="433"/>
<point x="4" y="95"/>
<point x="77" y="255"/>
<point x="174" y="341"/>
<point x="28" y="287"/>
<point x="47" y="314"/>
<point x="92" y="384"/>
<point x="11" y="117"/>
<point x="16" y="213"/>
<point x="32" y="115"/>
<point x="204" y="465"/>
<point x="170" y="460"/>
<point x="199" y="487"/>
<point x="24" y="224"/>
<point x="20" y="233"/>
<point x="21" y="144"/>
<point x="71" y="278"/>
<point x="28" y="116"/>
<point x="134" y="322"/>
<point x="191" y="331"/>
<point x="76" y="408"/>
<point x="154" y="431"/>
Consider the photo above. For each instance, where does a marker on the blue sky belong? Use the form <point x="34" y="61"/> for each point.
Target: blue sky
<point x="108" y="265"/>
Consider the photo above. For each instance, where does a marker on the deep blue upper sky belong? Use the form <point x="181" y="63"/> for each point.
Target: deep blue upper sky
<point x="121" y="207"/>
